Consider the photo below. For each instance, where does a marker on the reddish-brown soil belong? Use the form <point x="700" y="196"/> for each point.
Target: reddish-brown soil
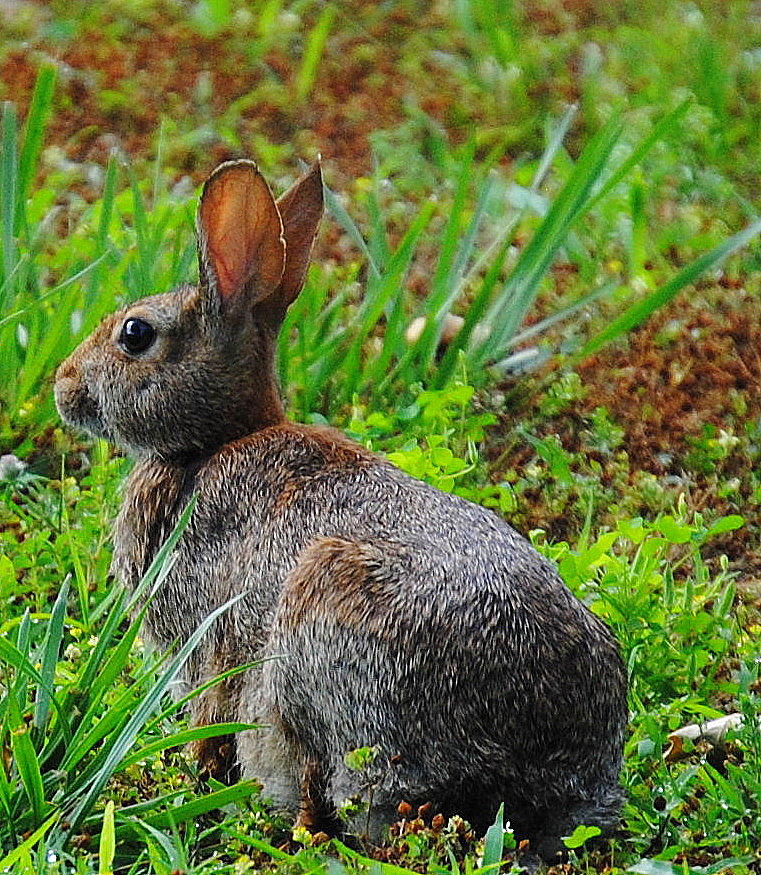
<point x="690" y="366"/>
<point x="664" y="390"/>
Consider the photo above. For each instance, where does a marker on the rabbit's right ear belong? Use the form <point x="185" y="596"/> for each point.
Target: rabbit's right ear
<point x="300" y="210"/>
<point x="241" y="250"/>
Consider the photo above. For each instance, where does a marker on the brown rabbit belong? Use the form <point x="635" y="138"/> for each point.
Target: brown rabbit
<point x="385" y="612"/>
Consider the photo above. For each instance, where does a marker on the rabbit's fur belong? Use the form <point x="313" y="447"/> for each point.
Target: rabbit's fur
<point x="386" y="613"/>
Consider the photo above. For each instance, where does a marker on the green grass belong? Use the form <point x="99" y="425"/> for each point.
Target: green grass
<point x="97" y="719"/>
<point x="124" y="246"/>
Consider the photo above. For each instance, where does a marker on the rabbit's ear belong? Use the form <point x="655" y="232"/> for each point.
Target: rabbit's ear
<point x="240" y="234"/>
<point x="301" y="210"/>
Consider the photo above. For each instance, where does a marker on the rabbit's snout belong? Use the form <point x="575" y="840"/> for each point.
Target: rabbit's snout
<point x="72" y="398"/>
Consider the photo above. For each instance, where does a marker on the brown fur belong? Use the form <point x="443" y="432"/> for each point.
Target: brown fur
<point x="378" y="611"/>
<point x="353" y="597"/>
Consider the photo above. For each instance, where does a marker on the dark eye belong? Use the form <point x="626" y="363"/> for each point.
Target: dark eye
<point x="137" y="335"/>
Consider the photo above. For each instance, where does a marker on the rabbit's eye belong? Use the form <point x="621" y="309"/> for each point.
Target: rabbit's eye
<point x="137" y="335"/>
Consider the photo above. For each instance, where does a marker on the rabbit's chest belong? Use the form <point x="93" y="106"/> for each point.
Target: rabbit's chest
<point x="149" y="511"/>
<point x="228" y="547"/>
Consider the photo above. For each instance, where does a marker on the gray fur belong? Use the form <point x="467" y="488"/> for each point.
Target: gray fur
<point x="387" y="613"/>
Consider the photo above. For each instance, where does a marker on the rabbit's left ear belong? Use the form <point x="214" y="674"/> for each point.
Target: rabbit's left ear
<point x="240" y="235"/>
<point x="300" y="210"/>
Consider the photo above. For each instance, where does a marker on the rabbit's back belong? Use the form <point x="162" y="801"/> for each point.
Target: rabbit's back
<point x="266" y="501"/>
<point x="402" y="617"/>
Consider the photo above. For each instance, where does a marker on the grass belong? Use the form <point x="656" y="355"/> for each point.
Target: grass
<point x="579" y="183"/>
<point x="39" y="326"/>
<point x="99" y="730"/>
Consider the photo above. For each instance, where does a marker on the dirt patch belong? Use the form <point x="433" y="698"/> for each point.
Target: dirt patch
<point x="691" y="365"/>
<point x="120" y="85"/>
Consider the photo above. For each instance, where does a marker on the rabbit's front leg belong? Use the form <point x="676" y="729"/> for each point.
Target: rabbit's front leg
<point x="266" y="753"/>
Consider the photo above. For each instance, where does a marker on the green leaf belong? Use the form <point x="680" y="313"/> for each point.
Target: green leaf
<point x="107" y="847"/>
<point x="674" y="532"/>
<point x="581" y="835"/>
<point x="494" y="841"/>
<point x="725" y="524"/>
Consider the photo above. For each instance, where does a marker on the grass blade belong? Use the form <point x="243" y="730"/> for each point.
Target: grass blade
<point x="640" y="311"/>
<point x="315" y="46"/>
<point x="34" y="133"/>
<point x="160" y="565"/>
<point x="51" y="649"/>
<point x="179" y="705"/>
<point x="27" y="764"/>
<point x="180" y="739"/>
<point x="8" y="181"/>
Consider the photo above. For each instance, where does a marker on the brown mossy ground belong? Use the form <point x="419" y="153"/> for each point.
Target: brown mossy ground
<point x="695" y="364"/>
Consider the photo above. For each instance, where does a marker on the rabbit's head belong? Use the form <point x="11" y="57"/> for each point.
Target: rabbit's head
<point x="181" y="373"/>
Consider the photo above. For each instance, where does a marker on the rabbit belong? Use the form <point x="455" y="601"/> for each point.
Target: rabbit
<point x="379" y="611"/>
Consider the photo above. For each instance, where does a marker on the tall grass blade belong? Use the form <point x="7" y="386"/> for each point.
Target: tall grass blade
<point x="94" y="667"/>
<point x="92" y="730"/>
<point x="553" y="146"/>
<point x="177" y="706"/>
<point x="8" y="183"/>
<point x="161" y="563"/>
<point x="27" y="763"/>
<point x="640" y="311"/>
<point x="50" y="651"/>
<point x="315" y="46"/>
<point x="455" y="252"/>
<point x="50" y="293"/>
<point x="128" y="735"/>
<point x="142" y="234"/>
<point x="34" y="133"/>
